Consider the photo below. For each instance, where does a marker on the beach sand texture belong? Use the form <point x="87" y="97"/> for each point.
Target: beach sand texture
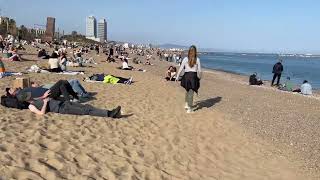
<point x="238" y="132"/>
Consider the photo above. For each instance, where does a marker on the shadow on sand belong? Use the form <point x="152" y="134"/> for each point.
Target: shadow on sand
<point x="207" y="103"/>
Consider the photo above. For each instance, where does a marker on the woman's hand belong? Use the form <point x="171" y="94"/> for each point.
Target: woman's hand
<point x="46" y="100"/>
<point x="46" y="94"/>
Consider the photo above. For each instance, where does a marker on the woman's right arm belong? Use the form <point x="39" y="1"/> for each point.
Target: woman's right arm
<point x="181" y="68"/>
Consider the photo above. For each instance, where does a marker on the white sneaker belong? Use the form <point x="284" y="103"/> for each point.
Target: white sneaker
<point x="186" y="106"/>
<point x="74" y="100"/>
<point x="130" y="80"/>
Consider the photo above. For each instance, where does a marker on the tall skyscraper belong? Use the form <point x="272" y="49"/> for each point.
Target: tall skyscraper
<point x="91" y="27"/>
<point x="102" y="30"/>
<point x="50" y="29"/>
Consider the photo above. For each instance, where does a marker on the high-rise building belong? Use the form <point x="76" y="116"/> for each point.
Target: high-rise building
<point x="50" y="29"/>
<point x="102" y="30"/>
<point x="91" y="27"/>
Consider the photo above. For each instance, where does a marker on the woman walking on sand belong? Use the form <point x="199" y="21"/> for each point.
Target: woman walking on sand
<point x="192" y="74"/>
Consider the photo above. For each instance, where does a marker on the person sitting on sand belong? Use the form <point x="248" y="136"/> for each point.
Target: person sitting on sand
<point x="15" y="56"/>
<point x="287" y="86"/>
<point x="42" y="106"/>
<point x="63" y="62"/>
<point x="79" y="59"/>
<point x="125" y="65"/>
<point x="110" y="59"/>
<point x="171" y="74"/>
<point x="43" y="54"/>
<point x="62" y="87"/>
<point x="148" y="62"/>
<point x="305" y="89"/>
<point x="254" y="80"/>
<point x="54" y="65"/>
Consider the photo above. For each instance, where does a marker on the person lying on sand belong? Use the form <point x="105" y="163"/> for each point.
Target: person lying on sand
<point x="75" y="84"/>
<point x="3" y="72"/>
<point x="42" y="106"/>
<point x="109" y="79"/>
<point x="62" y="87"/>
<point x="287" y="86"/>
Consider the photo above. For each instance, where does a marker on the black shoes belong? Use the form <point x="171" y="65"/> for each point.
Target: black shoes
<point x="115" y="113"/>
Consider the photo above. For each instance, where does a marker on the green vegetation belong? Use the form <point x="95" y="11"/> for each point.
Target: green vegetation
<point x="75" y="37"/>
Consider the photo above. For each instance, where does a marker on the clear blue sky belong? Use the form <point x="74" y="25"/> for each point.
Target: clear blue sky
<point x="231" y="25"/>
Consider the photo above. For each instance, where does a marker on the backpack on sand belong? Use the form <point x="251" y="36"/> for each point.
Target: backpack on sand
<point x="13" y="102"/>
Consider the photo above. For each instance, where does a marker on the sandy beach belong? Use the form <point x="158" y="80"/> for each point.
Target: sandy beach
<point x="237" y="132"/>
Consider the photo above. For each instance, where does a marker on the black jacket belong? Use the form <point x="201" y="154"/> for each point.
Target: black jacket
<point x="277" y="68"/>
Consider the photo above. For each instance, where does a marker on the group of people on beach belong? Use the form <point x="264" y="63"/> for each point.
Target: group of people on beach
<point x="305" y="88"/>
<point x="48" y="98"/>
<point x="62" y="97"/>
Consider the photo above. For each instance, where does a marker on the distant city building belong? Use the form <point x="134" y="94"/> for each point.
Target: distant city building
<point x="91" y="27"/>
<point x="50" y="29"/>
<point x="38" y="32"/>
<point x="102" y="30"/>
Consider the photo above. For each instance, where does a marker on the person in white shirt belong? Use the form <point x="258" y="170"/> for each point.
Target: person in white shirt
<point x="125" y="65"/>
<point x="192" y="74"/>
<point x="306" y="88"/>
<point x="63" y="62"/>
<point x="54" y="63"/>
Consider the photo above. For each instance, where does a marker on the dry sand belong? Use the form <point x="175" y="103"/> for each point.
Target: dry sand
<point x="238" y="132"/>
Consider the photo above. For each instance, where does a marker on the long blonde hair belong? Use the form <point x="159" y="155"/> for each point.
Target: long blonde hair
<point x="192" y="60"/>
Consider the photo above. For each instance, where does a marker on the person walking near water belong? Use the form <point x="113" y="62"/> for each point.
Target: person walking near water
<point x="277" y="71"/>
<point x="192" y="74"/>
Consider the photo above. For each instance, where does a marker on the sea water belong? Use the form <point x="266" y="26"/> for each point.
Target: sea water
<point x="297" y="67"/>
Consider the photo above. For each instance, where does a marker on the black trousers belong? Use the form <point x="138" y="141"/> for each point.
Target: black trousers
<point x="62" y="87"/>
<point x="57" y="70"/>
<point x="274" y="78"/>
<point x="82" y="109"/>
<point x="121" y="79"/>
